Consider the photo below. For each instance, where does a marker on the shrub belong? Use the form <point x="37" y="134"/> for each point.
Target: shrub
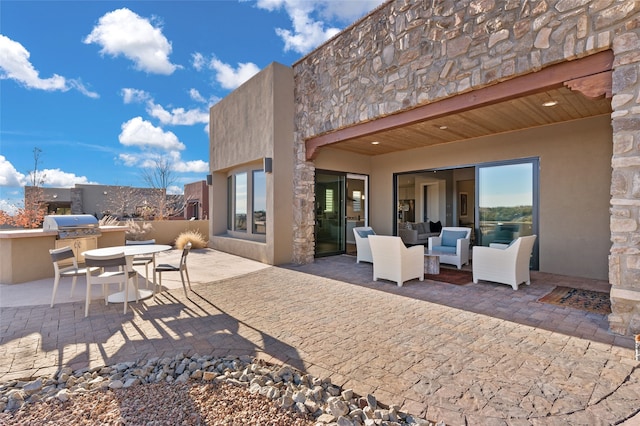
<point x="136" y="230"/>
<point x="196" y="238"/>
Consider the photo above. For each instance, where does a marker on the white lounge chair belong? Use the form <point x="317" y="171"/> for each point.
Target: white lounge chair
<point x="361" y="234"/>
<point x="454" y="241"/>
<point x="504" y="264"/>
<point x="393" y="261"/>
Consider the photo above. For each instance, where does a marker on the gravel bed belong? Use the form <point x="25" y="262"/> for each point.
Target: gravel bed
<point x="160" y="404"/>
<point x="195" y="390"/>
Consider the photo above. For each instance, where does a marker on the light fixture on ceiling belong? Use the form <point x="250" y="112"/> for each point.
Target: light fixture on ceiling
<point x="375" y="143"/>
<point x="443" y="127"/>
<point x="550" y="103"/>
<point x="55" y="195"/>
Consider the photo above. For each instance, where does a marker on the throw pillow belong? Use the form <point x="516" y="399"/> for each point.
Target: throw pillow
<point x="435" y="226"/>
<point x="421" y="228"/>
<point x="450" y="238"/>
<point x="364" y="233"/>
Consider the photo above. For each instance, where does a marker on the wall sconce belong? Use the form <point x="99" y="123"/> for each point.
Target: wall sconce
<point x="209" y="180"/>
<point x="267" y="164"/>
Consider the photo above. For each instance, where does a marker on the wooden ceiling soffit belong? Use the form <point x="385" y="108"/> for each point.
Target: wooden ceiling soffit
<point x="587" y="75"/>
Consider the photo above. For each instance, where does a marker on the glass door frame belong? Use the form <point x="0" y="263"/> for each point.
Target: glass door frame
<point x="341" y="238"/>
<point x="535" y="220"/>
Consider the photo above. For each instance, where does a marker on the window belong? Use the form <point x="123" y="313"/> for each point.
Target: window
<point x="241" y="202"/>
<point x="229" y="202"/>
<point x="328" y="200"/>
<point x="259" y="202"/>
<point x="247" y="202"/>
<point x="357" y="200"/>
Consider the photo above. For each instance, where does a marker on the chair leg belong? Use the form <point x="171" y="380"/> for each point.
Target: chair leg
<point x="146" y="275"/>
<point x="184" y="287"/>
<point x="157" y="287"/>
<point x="186" y="271"/>
<point x="73" y="285"/>
<point x="126" y="291"/>
<point x="137" y="287"/>
<point x="87" y="300"/>
<point x="55" y="289"/>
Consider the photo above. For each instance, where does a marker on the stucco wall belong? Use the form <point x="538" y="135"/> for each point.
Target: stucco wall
<point x="24" y="254"/>
<point x="254" y="122"/>
<point x="167" y="231"/>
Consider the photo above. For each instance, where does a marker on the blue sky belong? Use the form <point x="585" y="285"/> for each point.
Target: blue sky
<point x="102" y="88"/>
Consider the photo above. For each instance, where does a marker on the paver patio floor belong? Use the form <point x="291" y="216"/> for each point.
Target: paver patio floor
<point x="474" y="354"/>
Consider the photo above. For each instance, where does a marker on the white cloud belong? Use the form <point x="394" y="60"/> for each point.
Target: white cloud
<point x="149" y="160"/>
<point x="9" y="176"/>
<point x="196" y="96"/>
<point x="15" y="65"/>
<point x="309" y="32"/>
<point x="11" y="208"/>
<point x="174" y="190"/>
<point x="177" y="116"/>
<point x="123" y="32"/>
<point x="198" y="61"/>
<point x="129" y="160"/>
<point x="143" y="134"/>
<point x="130" y="95"/>
<point x="230" y="78"/>
<point x="347" y="11"/>
<point x="196" y="166"/>
<point x="56" y="178"/>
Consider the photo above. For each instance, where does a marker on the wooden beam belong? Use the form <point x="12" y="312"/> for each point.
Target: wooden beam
<point x="593" y="86"/>
<point x="547" y="78"/>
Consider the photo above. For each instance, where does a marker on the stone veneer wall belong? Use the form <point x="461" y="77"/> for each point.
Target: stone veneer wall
<point x="408" y="53"/>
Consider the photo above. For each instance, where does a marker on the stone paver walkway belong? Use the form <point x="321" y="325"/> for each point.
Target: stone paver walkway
<point x="433" y="359"/>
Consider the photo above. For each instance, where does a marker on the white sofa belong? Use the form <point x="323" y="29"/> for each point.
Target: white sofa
<point x="504" y="264"/>
<point x="454" y="242"/>
<point x="393" y="261"/>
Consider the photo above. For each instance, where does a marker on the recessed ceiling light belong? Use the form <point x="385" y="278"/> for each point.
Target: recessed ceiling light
<point x="550" y="103"/>
<point x="443" y="127"/>
<point x="375" y="143"/>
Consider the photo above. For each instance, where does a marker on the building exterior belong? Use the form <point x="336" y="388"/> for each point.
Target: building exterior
<point x="511" y="117"/>
<point x="101" y="200"/>
<point x="196" y="200"/>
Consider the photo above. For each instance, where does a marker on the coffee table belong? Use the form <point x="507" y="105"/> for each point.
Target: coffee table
<point x="432" y="261"/>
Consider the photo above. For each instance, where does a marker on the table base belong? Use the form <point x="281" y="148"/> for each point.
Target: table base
<point x="119" y="297"/>
<point x="431" y="264"/>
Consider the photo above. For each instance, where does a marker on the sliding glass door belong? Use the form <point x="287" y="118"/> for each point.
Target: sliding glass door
<point x="341" y="205"/>
<point x="507" y="206"/>
<point x="330" y="213"/>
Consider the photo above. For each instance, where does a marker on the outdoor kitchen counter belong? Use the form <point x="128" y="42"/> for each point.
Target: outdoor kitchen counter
<point x="24" y="253"/>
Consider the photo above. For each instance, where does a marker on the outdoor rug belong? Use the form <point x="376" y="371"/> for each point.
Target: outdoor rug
<point x="451" y="276"/>
<point x="587" y="300"/>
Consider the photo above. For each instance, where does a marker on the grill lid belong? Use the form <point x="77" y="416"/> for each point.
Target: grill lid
<point x="69" y="221"/>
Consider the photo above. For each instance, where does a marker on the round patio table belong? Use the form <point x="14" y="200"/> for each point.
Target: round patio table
<point x="130" y="251"/>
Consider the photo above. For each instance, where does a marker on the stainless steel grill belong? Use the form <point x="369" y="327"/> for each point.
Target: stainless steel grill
<point x="72" y="225"/>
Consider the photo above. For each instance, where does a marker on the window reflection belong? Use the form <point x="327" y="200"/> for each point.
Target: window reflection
<point x="241" y="202"/>
<point x="259" y="202"/>
<point x="505" y="202"/>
